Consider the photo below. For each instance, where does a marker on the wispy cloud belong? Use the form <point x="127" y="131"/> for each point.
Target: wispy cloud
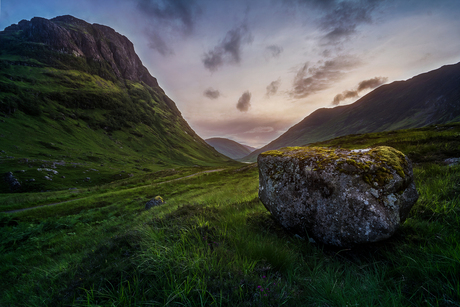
<point x="273" y="51"/>
<point x="273" y="87"/>
<point x="363" y="85"/>
<point x="343" y="18"/>
<point x="310" y="80"/>
<point x="211" y="93"/>
<point x="265" y="129"/>
<point x="168" y="16"/>
<point x="244" y="103"/>
<point x="371" y="83"/>
<point x="156" y="42"/>
<point x="228" y="51"/>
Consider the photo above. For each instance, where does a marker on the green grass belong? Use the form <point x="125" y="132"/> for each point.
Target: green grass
<point x="214" y="244"/>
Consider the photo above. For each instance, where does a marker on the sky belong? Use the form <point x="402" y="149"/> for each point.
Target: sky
<point x="248" y="70"/>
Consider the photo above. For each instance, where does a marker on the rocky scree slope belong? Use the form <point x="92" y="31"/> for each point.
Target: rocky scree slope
<point x="70" y="89"/>
<point x="426" y="99"/>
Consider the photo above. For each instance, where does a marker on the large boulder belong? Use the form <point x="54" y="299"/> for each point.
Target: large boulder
<point x="339" y="197"/>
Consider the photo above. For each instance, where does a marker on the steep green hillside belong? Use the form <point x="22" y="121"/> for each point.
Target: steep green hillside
<point x="427" y="99"/>
<point x="75" y="98"/>
<point x="229" y="148"/>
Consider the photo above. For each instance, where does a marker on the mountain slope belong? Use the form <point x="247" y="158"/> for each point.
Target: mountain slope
<point x="229" y="148"/>
<point x="77" y="92"/>
<point x="426" y="99"/>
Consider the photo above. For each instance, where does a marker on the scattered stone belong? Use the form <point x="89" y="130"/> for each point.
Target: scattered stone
<point x="48" y="170"/>
<point x="338" y="197"/>
<point x="48" y="178"/>
<point x="32" y="179"/>
<point x="63" y="177"/>
<point x="130" y="175"/>
<point x="158" y="200"/>
<point x="87" y="179"/>
<point x="12" y="182"/>
<point x="452" y="161"/>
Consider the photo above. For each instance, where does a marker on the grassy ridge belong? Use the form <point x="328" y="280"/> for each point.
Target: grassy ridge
<point x="213" y="243"/>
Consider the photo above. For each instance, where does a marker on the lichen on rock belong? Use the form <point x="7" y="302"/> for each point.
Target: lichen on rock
<point x="340" y="197"/>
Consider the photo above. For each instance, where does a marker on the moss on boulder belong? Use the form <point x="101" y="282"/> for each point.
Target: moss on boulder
<point x="340" y="197"/>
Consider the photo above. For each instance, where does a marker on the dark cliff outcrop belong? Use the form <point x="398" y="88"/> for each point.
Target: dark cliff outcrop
<point x="95" y="42"/>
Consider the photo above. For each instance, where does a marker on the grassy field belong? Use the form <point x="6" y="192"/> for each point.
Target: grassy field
<point x="214" y="243"/>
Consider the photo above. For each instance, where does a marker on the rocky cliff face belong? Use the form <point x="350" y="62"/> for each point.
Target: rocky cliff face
<point x="76" y="37"/>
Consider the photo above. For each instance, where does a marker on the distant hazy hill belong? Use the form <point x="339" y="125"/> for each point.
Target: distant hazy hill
<point x="250" y="148"/>
<point x="429" y="98"/>
<point x="229" y="148"/>
<point x="72" y="90"/>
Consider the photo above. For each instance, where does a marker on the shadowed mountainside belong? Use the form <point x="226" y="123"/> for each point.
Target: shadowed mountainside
<point x="426" y="99"/>
<point x="229" y="148"/>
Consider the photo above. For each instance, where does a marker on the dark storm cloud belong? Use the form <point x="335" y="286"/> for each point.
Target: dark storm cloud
<point x="363" y="85"/>
<point x="244" y="102"/>
<point x="274" y="51"/>
<point x="342" y="19"/>
<point x="273" y="87"/>
<point x="175" y="17"/>
<point x="211" y="93"/>
<point x="310" y="80"/>
<point x="371" y="83"/>
<point x="229" y="50"/>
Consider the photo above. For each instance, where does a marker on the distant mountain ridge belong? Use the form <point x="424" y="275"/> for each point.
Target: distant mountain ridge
<point x="426" y="99"/>
<point x="70" y="86"/>
<point x="229" y="148"/>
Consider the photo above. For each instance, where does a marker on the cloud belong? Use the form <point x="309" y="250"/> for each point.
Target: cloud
<point x="251" y="129"/>
<point x="371" y="83"/>
<point x="342" y="19"/>
<point x="178" y="13"/>
<point x="273" y="51"/>
<point x="345" y="95"/>
<point x="363" y="85"/>
<point x="156" y="42"/>
<point x="273" y="87"/>
<point x="265" y="129"/>
<point x="174" y="17"/>
<point x="244" y="103"/>
<point x="211" y="93"/>
<point x="310" y="80"/>
<point x="229" y="50"/>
